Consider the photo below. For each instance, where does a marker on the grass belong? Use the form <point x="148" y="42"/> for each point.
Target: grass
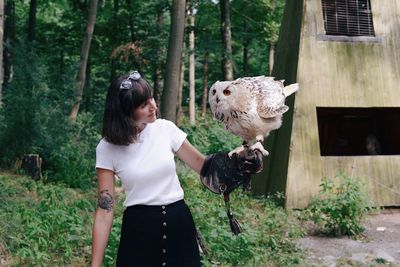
<point x="48" y="224"/>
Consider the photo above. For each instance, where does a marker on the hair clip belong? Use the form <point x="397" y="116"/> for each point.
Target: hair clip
<point x="127" y="83"/>
<point x="135" y="75"/>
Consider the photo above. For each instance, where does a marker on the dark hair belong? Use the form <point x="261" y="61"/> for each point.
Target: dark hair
<point x="119" y="128"/>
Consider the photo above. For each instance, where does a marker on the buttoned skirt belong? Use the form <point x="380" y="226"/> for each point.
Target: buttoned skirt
<point x="158" y="236"/>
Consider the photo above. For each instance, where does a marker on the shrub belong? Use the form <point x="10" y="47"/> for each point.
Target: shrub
<point x="209" y="136"/>
<point x="72" y="161"/>
<point x="44" y="224"/>
<point x="339" y="209"/>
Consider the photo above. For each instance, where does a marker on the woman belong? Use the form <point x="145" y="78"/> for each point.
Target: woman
<point x="157" y="227"/>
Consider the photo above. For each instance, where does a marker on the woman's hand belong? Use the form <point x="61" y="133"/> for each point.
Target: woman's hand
<point x="221" y="172"/>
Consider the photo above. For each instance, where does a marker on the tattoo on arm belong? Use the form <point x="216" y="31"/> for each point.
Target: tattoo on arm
<point x="105" y="200"/>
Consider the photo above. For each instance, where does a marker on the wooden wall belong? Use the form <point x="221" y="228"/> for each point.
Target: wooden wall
<point x="343" y="74"/>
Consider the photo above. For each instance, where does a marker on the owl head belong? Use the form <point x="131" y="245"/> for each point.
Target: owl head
<point x="222" y="96"/>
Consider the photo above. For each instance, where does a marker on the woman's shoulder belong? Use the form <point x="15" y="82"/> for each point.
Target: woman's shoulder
<point x="104" y="145"/>
<point x="163" y="123"/>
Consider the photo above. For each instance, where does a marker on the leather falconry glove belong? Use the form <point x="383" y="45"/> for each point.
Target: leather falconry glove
<point x="222" y="174"/>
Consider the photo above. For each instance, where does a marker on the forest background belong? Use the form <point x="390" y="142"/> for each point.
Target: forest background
<point x="56" y="71"/>
<point x="59" y="58"/>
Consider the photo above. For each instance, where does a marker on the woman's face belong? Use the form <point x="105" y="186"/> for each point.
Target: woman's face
<point x="146" y="113"/>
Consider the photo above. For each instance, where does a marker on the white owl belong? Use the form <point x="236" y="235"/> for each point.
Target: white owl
<point x="250" y="107"/>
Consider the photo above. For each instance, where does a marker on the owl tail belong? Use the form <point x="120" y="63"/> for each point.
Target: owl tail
<point x="290" y="89"/>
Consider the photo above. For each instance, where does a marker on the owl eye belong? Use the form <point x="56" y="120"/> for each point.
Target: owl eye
<point x="214" y="91"/>
<point x="226" y="92"/>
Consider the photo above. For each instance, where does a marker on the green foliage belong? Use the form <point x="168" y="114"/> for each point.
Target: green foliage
<point x="43" y="224"/>
<point x="340" y="208"/>
<point x="209" y="136"/>
<point x="34" y="121"/>
<point x="269" y="231"/>
<point x="50" y="225"/>
<point x="23" y="104"/>
<point x="72" y="161"/>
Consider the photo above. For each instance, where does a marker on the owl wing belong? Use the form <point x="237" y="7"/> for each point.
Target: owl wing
<point x="269" y="96"/>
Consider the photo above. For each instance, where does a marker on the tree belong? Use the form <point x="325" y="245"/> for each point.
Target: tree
<point x="9" y="32"/>
<point x="81" y="77"/>
<point x="191" y="67"/>
<point x="227" y="40"/>
<point x="255" y="26"/>
<point x="1" y="47"/>
<point x="32" y="20"/>
<point x="114" y="37"/>
<point x="205" y="87"/>
<point x="174" y="56"/>
<point x="208" y="44"/>
<point x="179" y="111"/>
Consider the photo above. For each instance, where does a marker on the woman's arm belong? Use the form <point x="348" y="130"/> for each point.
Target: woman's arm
<point x="191" y="156"/>
<point x="104" y="215"/>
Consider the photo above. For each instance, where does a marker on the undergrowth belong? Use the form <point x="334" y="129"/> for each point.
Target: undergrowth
<point x="269" y="231"/>
<point x="340" y="208"/>
<point x="50" y="225"/>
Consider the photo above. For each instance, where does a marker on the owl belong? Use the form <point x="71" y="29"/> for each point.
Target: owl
<point x="250" y="107"/>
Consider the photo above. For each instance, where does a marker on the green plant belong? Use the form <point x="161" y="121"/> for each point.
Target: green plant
<point x="209" y="136"/>
<point x="72" y="161"/>
<point x="269" y="230"/>
<point x="340" y="208"/>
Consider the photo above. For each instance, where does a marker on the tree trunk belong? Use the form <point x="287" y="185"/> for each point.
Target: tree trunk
<point x="9" y="33"/>
<point x="174" y="57"/>
<point x="205" y="85"/>
<point x="1" y="49"/>
<point x="245" y="50"/>
<point x="61" y="68"/>
<point x="179" y="111"/>
<point x="226" y="38"/>
<point x="191" y="69"/>
<point x="114" y="38"/>
<point x="32" y="165"/>
<point x="271" y="57"/>
<point x="157" y="85"/>
<point x="84" y="58"/>
<point x="157" y="65"/>
<point x="130" y="20"/>
<point x="32" y="20"/>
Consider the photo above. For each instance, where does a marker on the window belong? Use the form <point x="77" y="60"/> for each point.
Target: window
<point x="348" y="17"/>
<point x="358" y="131"/>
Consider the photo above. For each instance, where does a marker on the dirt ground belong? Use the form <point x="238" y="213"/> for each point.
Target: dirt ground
<point x="380" y="245"/>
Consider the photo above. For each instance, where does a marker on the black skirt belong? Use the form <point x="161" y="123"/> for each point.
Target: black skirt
<point x="158" y="236"/>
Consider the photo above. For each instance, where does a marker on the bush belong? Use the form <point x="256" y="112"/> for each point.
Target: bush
<point x="33" y="119"/>
<point x="209" y="136"/>
<point x="72" y="161"/>
<point x="44" y="224"/>
<point x="339" y="209"/>
<point x="24" y="99"/>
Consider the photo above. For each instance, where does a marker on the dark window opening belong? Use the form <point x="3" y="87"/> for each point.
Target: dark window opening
<point x="348" y="17"/>
<point x="358" y="131"/>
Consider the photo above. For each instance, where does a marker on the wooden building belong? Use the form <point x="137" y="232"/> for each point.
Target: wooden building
<point x="345" y="54"/>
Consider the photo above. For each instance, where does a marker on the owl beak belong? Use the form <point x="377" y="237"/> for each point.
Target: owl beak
<point x="217" y="100"/>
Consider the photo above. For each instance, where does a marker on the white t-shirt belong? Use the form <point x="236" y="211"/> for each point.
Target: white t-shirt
<point x="147" y="167"/>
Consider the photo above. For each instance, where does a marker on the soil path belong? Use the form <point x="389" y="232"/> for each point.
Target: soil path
<point x="380" y="247"/>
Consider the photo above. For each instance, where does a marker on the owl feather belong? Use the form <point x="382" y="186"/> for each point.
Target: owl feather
<point x="250" y="107"/>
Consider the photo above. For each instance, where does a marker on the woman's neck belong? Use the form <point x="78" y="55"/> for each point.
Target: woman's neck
<point x="141" y="127"/>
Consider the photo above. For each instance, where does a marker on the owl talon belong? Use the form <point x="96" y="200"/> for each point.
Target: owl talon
<point x="236" y="150"/>
<point x="260" y="147"/>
